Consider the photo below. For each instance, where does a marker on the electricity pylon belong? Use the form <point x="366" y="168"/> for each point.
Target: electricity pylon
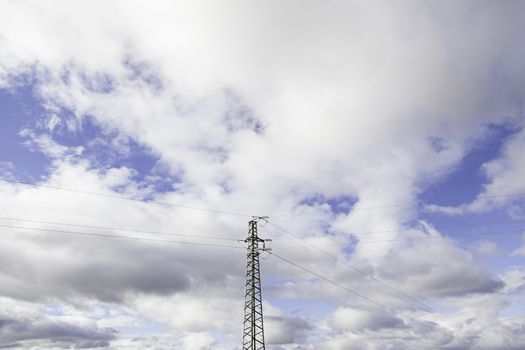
<point x="253" y="335"/>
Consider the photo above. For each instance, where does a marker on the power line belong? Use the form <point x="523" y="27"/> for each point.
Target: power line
<point x="120" y="229"/>
<point x="437" y="237"/>
<point x="498" y="195"/>
<point x="108" y="195"/>
<point x="344" y="288"/>
<point x="422" y="238"/>
<point x="330" y="281"/>
<point x="408" y="230"/>
<point x="353" y="209"/>
<point x="122" y="237"/>
<point x="366" y="275"/>
<point x="405" y="205"/>
<point x="217" y="211"/>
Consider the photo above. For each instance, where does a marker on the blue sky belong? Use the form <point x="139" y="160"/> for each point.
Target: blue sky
<point x="18" y="108"/>
<point x="384" y="142"/>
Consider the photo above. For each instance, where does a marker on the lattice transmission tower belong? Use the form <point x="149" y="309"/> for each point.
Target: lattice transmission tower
<point x="253" y="335"/>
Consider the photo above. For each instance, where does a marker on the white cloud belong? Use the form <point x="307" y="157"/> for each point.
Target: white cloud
<point x="286" y="330"/>
<point x="191" y="312"/>
<point x="505" y="185"/>
<point x="198" y="341"/>
<point x="423" y="269"/>
<point x="514" y="279"/>
<point x="257" y="107"/>
<point x="6" y="169"/>
<point x="487" y="248"/>
<point x="360" y="320"/>
<point x="26" y="325"/>
<point x="521" y="250"/>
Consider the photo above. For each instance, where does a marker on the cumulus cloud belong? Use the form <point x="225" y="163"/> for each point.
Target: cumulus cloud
<point x="360" y="320"/>
<point x="514" y="279"/>
<point x="286" y="330"/>
<point x="423" y="269"/>
<point x="18" y="332"/>
<point x="260" y="108"/>
<point x="487" y="248"/>
<point x="22" y="327"/>
<point x="505" y="184"/>
<point x="521" y="250"/>
<point x="87" y="265"/>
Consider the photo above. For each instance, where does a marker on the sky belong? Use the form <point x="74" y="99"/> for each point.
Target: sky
<point x="383" y="139"/>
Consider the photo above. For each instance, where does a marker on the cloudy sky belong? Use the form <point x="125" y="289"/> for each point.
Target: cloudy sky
<point x="384" y="139"/>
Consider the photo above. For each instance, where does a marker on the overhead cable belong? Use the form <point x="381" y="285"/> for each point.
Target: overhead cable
<point x="330" y="281"/>
<point x="110" y="195"/>
<point x="119" y="229"/>
<point x="405" y="205"/>
<point x="122" y="237"/>
<point x="366" y="275"/>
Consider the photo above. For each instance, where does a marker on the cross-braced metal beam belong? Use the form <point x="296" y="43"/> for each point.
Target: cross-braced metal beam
<point x="253" y="335"/>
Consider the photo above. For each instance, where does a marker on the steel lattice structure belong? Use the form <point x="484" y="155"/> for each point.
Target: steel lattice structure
<point x="253" y="335"/>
